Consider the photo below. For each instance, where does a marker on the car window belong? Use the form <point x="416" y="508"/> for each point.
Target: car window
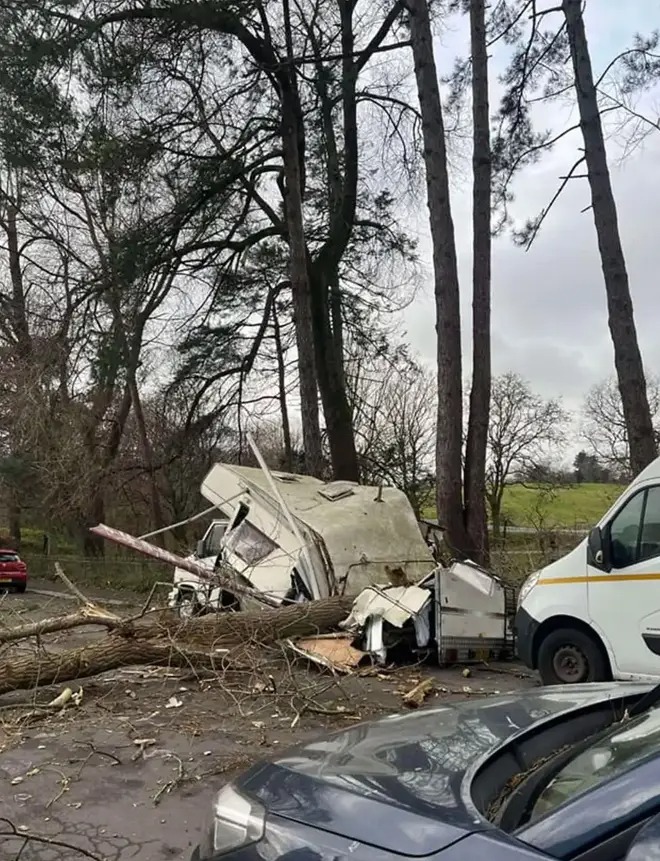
<point x="624" y="532"/>
<point x="9" y="557"/>
<point x="649" y="545"/>
<point x="624" y="746"/>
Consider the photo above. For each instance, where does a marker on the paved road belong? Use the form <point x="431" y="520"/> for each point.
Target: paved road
<point x="80" y="778"/>
<point x="102" y="802"/>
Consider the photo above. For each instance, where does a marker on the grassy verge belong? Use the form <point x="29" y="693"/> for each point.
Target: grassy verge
<point x="115" y="574"/>
<point x="577" y="506"/>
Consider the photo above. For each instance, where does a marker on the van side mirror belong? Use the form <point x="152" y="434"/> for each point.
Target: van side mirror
<point x="201" y="549"/>
<point x="597" y="548"/>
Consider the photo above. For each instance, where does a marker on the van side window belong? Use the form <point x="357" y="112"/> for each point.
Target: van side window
<point x="635" y="531"/>
<point x="649" y="545"/>
<point x="624" y="532"/>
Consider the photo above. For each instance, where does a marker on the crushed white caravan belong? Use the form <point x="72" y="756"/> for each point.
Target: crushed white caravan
<point x="294" y="537"/>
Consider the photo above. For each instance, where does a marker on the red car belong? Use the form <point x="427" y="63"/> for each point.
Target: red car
<point x="13" y="571"/>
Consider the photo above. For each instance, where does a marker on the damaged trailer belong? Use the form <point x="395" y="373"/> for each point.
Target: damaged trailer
<point x="297" y="538"/>
<point x="463" y="613"/>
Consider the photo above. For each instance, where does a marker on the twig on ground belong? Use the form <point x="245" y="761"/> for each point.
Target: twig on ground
<point x="12" y="832"/>
<point x="94" y="752"/>
<point x="504" y="671"/>
<point x="64" y="782"/>
<point x="171" y="784"/>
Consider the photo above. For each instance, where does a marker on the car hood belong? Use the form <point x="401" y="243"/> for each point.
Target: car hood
<point x="348" y="783"/>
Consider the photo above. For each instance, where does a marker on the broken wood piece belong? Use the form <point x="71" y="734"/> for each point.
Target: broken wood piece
<point x="87" y="615"/>
<point x="59" y="571"/>
<point x="416" y="696"/>
<point x="333" y="651"/>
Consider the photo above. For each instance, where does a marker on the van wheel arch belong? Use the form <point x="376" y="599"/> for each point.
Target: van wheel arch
<point x="556" y="623"/>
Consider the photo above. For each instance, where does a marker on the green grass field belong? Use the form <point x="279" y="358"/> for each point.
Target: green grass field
<point x="576" y="507"/>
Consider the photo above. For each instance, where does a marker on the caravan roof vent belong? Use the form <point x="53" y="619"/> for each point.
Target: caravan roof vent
<point x="286" y="477"/>
<point x="337" y="490"/>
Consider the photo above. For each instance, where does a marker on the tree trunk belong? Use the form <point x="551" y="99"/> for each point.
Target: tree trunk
<point x="627" y="358"/>
<point x="281" y="386"/>
<point x="15" y="512"/>
<point x="342" y="180"/>
<point x="300" y="287"/>
<point x="293" y="145"/>
<point x="447" y="300"/>
<point x="164" y="639"/>
<point x="19" y="319"/>
<point x="496" y="518"/>
<point x="148" y="455"/>
<point x="474" y="500"/>
<point x="330" y="367"/>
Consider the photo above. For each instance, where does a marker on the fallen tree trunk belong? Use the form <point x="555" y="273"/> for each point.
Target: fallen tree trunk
<point x="163" y="639"/>
<point x="111" y="653"/>
<point x="88" y="615"/>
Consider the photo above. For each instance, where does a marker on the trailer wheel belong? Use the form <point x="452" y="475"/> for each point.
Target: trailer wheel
<point x="188" y="606"/>
<point x="568" y="656"/>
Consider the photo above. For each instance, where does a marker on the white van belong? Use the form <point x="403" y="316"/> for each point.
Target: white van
<point x="594" y="614"/>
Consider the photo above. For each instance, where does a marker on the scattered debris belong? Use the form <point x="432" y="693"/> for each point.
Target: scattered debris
<point x="333" y="651"/>
<point x="394" y="604"/>
<point x="66" y="696"/>
<point x="173" y="703"/>
<point x="415" y="697"/>
<point x="463" y="610"/>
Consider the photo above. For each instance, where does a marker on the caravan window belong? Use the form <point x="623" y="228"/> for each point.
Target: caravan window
<point x="250" y="544"/>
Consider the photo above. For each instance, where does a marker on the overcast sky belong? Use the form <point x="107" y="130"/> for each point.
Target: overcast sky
<point x="549" y="307"/>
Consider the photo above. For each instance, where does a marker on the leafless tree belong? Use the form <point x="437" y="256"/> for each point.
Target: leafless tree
<point x="393" y="400"/>
<point x="604" y="425"/>
<point x="522" y="428"/>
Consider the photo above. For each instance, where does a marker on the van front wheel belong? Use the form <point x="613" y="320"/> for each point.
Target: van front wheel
<point x="569" y="656"/>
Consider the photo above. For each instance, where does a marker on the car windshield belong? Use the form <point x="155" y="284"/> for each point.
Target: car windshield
<point x="626" y="743"/>
<point x="9" y="557"/>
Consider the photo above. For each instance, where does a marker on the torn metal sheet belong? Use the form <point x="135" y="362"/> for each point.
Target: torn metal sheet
<point x="373" y="639"/>
<point x="335" y="652"/>
<point x="394" y="605"/>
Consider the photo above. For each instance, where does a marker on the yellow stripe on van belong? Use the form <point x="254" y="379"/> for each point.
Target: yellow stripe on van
<point x="598" y="578"/>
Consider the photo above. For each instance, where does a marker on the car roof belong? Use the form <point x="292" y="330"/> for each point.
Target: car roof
<point x="8" y="550"/>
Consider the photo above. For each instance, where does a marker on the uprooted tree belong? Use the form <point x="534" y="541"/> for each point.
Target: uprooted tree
<point x="160" y="638"/>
